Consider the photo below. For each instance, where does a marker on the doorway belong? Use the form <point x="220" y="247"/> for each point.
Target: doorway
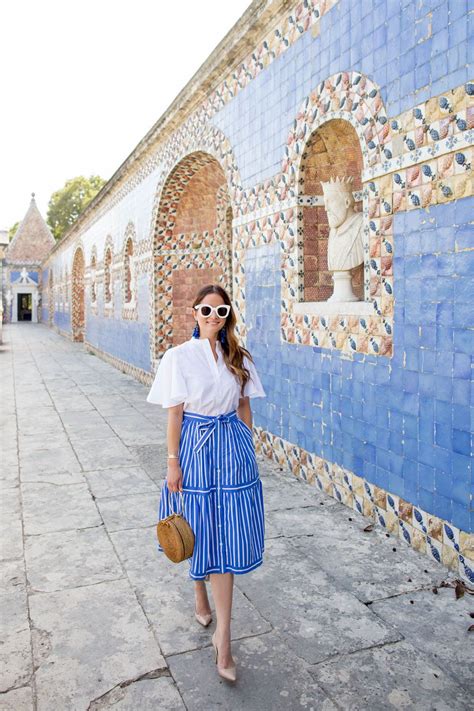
<point x="24" y="306"/>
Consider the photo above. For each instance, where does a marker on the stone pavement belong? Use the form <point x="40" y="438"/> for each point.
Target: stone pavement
<point x="93" y="617"/>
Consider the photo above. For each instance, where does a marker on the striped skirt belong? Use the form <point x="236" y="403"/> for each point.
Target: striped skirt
<point x="222" y="491"/>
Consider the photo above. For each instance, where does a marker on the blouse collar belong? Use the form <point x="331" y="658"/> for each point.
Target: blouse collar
<point x="205" y="343"/>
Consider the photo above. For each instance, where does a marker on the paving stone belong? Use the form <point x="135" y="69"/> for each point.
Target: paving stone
<point x="30" y="443"/>
<point x="47" y="461"/>
<point x="47" y="508"/>
<point x="269" y="677"/>
<point x="10" y="508"/>
<point x="396" y="676"/>
<point x="44" y="419"/>
<point x="59" y="478"/>
<point x="133" y="511"/>
<point x="86" y="426"/>
<point x="9" y="479"/>
<point x="120" y="481"/>
<point x="135" y="430"/>
<point x="79" y="435"/>
<point x="364" y="562"/>
<point x="68" y="559"/>
<point x="81" y="419"/>
<point x="296" y="522"/>
<point x="167" y="595"/>
<point x="11" y="539"/>
<point x="35" y="425"/>
<point x="12" y="575"/>
<point x="153" y="459"/>
<point x="88" y="640"/>
<point x="110" y="404"/>
<point x="94" y="388"/>
<point x="96" y="454"/>
<point x="285" y="493"/>
<point x="9" y="456"/>
<point x="146" y="695"/>
<point x="68" y="403"/>
<point x="437" y="626"/>
<point x="318" y="619"/>
<point x="15" y="649"/>
<point x="17" y="700"/>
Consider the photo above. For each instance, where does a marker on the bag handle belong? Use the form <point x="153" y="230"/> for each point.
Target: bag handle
<point x="171" y="504"/>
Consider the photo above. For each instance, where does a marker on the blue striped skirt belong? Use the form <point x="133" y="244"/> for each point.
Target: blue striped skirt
<point x="223" y="496"/>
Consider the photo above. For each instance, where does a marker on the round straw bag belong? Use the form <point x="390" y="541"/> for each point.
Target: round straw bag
<point x="175" y="535"/>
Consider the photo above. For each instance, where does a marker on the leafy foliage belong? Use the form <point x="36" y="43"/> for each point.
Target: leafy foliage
<point x="66" y="204"/>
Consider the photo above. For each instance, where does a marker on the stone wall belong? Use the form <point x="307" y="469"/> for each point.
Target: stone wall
<point x="369" y="401"/>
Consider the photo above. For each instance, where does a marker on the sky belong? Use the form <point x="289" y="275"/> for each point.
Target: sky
<point x="83" y="82"/>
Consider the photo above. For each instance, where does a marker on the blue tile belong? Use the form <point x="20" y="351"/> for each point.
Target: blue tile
<point x="443" y="483"/>
<point x="461" y="442"/>
<point x="443" y="506"/>
<point x="461" y="391"/>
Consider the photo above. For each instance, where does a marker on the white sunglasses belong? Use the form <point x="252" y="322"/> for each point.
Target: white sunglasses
<point x="220" y="311"/>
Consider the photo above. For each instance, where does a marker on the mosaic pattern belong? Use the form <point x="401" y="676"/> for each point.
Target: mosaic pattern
<point x="129" y="275"/>
<point x="428" y="534"/>
<point x="108" y="276"/>
<point x="91" y="281"/>
<point x="78" y="313"/>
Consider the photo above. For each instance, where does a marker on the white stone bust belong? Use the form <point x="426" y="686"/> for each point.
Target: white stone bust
<point x="345" y="248"/>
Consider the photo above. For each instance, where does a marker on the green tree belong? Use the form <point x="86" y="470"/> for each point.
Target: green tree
<point x="66" y="205"/>
<point x="12" y="230"/>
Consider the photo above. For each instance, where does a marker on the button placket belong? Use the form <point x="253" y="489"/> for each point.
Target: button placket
<point x="219" y="494"/>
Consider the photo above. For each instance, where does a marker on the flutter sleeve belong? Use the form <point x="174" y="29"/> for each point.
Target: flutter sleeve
<point x="253" y="388"/>
<point x="169" y="386"/>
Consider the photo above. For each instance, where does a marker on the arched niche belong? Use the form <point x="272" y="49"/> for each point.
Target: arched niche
<point x="192" y="244"/>
<point x="332" y="150"/>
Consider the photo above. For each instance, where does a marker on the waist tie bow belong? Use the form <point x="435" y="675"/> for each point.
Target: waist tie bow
<point x="210" y="427"/>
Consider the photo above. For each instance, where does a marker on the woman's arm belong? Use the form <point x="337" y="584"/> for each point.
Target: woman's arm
<point x="174" y="477"/>
<point x="244" y="411"/>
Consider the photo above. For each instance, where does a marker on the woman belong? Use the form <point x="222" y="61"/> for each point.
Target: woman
<point x="206" y="384"/>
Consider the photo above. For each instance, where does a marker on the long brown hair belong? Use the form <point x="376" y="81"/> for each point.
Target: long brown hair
<point x="233" y="352"/>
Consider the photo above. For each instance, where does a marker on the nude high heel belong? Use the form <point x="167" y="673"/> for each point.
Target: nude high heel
<point x="227" y="673"/>
<point x="204" y="620"/>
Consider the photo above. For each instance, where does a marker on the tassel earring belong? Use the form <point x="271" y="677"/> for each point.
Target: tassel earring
<point x="196" y="331"/>
<point x="223" y="336"/>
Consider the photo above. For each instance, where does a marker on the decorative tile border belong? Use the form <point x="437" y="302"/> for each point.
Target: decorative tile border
<point x="438" y="539"/>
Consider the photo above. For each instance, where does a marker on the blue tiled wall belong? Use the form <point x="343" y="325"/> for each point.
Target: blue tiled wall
<point x="62" y="320"/>
<point x="387" y="41"/>
<point x="403" y="423"/>
<point x="127" y="340"/>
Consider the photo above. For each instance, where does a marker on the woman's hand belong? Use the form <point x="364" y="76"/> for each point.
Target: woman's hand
<point x="174" y="477"/>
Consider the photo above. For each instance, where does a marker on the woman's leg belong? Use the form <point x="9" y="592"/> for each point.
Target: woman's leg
<point x="202" y="601"/>
<point x="222" y="588"/>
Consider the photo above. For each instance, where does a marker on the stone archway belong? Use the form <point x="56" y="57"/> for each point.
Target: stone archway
<point x="78" y="310"/>
<point x="192" y="244"/>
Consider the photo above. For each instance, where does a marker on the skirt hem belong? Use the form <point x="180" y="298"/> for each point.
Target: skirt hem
<point x="227" y="569"/>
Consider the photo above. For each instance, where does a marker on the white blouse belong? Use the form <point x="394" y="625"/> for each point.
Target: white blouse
<point x="190" y="374"/>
